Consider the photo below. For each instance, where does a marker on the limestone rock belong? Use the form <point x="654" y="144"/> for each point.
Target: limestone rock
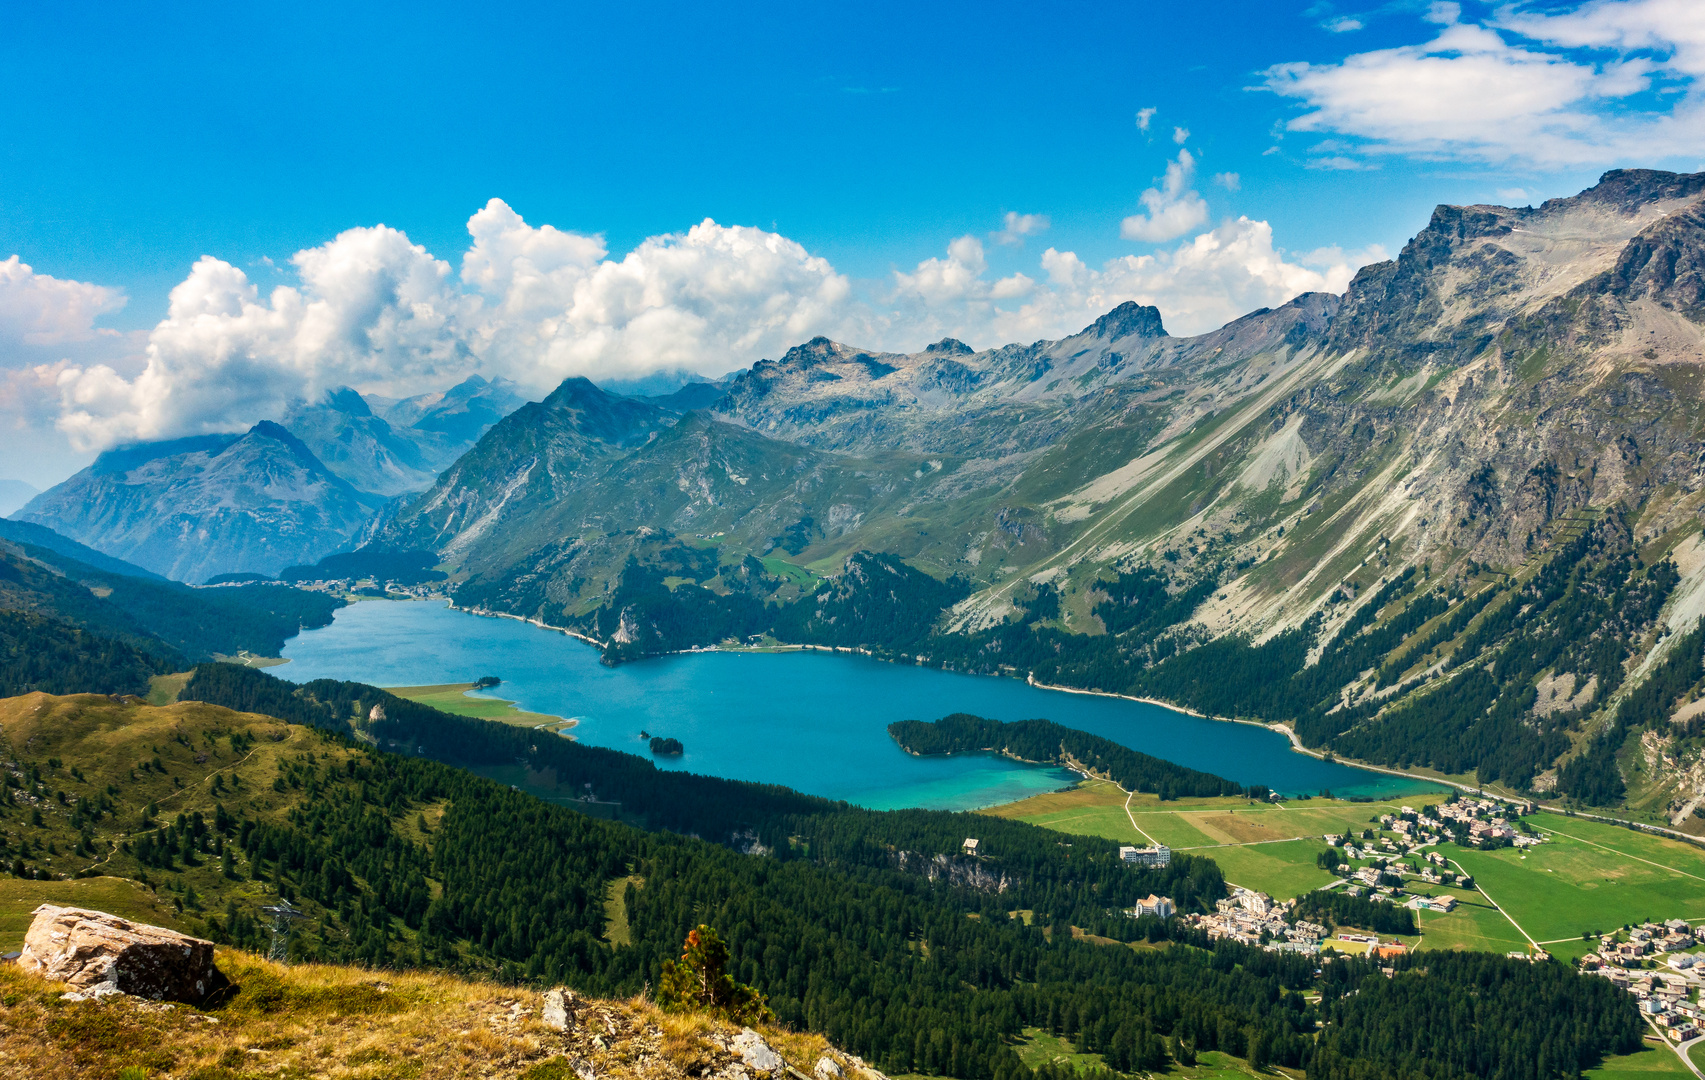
<point x="755" y="1053"/>
<point x="555" y="1013"/>
<point x="827" y="1069"/>
<point x="97" y="954"/>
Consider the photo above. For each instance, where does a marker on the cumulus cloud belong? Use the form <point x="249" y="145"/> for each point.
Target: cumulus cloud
<point x="37" y="309"/>
<point x="1143" y="118"/>
<point x="1343" y="24"/>
<point x="710" y="299"/>
<point x="535" y="304"/>
<point x="372" y="307"/>
<point x="1017" y="226"/>
<point x="1173" y="208"/>
<point x="1200" y="285"/>
<point x="1229" y="180"/>
<point x="1528" y="86"/>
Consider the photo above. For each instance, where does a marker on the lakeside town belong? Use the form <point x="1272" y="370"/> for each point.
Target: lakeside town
<point x="1401" y="860"/>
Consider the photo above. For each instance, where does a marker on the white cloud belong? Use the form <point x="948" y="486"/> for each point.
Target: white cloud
<point x="372" y="308"/>
<point x="536" y="304"/>
<point x="36" y="309"/>
<point x="1017" y="226"/>
<point x="533" y="304"/>
<point x="1180" y="135"/>
<point x="1143" y="118"/>
<point x="1672" y="27"/>
<point x="1528" y="87"/>
<point x="1173" y="208"/>
<point x="1199" y="286"/>
<point x="710" y="299"/>
<point x="1229" y="180"/>
<point x="1513" y="196"/>
<point x="1343" y="24"/>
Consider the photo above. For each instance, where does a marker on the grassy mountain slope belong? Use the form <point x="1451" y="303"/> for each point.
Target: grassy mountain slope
<point x="324" y="1020"/>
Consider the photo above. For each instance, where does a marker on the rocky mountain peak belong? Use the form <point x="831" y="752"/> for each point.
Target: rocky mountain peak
<point x="348" y="402"/>
<point x="950" y="347"/>
<point x="818" y="350"/>
<point x="1128" y="319"/>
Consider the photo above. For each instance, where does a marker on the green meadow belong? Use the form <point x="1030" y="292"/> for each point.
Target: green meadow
<point x="1589" y="877"/>
<point x="453" y="698"/>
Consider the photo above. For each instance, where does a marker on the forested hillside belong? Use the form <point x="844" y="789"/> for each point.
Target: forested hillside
<point x="401" y="860"/>
<point x="1046" y="741"/>
<point x="166" y="618"/>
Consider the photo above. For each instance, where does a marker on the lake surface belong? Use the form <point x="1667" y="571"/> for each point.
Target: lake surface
<point x="816" y="722"/>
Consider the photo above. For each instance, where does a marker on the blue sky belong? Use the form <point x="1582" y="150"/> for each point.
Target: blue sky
<point x="873" y="150"/>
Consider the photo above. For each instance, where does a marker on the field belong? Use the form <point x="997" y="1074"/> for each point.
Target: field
<point x="1474" y="925"/>
<point x="1589" y="876"/>
<point x="120" y="896"/>
<point x="1270" y="848"/>
<point x="1037" y="1048"/>
<point x="1653" y="1063"/>
<point x="453" y="698"/>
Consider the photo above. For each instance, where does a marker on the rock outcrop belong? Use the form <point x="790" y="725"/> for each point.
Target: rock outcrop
<point x="97" y="954"/>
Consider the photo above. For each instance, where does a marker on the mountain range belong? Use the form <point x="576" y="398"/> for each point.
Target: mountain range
<point x="1449" y="519"/>
<point x="278" y="495"/>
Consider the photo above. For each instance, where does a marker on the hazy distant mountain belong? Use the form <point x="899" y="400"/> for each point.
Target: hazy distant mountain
<point x="284" y="494"/>
<point x="395" y="447"/>
<point x="194" y="508"/>
<point x="15" y="493"/>
<point x="457" y="416"/>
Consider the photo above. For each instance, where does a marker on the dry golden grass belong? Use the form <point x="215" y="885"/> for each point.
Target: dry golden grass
<point x="1243" y="828"/>
<point x="345" y="1023"/>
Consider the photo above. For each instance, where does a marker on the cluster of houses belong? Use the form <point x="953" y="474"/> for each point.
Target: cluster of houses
<point x="1664" y="996"/>
<point x="1246" y="916"/>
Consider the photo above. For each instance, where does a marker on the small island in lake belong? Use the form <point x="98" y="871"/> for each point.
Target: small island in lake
<point x="667" y="747"/>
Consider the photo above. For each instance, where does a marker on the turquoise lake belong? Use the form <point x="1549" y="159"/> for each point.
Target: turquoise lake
<point x="816" y="722"/>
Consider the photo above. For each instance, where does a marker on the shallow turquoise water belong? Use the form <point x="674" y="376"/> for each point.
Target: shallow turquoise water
<point x="813" y="721"/>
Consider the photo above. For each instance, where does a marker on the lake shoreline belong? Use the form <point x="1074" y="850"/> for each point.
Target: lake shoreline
<point x="755" y="721"/>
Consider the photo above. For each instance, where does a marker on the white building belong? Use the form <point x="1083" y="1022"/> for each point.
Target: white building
<point x="1156" y="855"/>
<point x="1158" y="906"/>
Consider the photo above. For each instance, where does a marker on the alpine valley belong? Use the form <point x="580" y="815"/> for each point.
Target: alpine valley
<point x="1448" y="521"/>
<point x="1447" y="524"/>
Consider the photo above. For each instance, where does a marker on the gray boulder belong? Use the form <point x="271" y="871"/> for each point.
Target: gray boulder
<point x="96" y="954"/>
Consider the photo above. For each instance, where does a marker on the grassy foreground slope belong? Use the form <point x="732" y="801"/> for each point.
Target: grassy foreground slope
<point x="319" y="1020"/>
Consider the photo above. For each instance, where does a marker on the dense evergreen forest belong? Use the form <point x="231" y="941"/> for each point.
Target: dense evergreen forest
<point x="38" y="652"/>
<point x="869" y="927"/>
<point x="381" y="564"/>
<point x="1027" y="864"/>
<point x="164" y="618"/>
<point x="1334" y="908"/>
<point x="1047" y="742"/>
<point x="1450" y="1015"/>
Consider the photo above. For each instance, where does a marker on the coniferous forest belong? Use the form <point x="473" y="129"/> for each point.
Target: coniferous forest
<point x="870" y="927"/>
<point x="1047" y="742"/>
